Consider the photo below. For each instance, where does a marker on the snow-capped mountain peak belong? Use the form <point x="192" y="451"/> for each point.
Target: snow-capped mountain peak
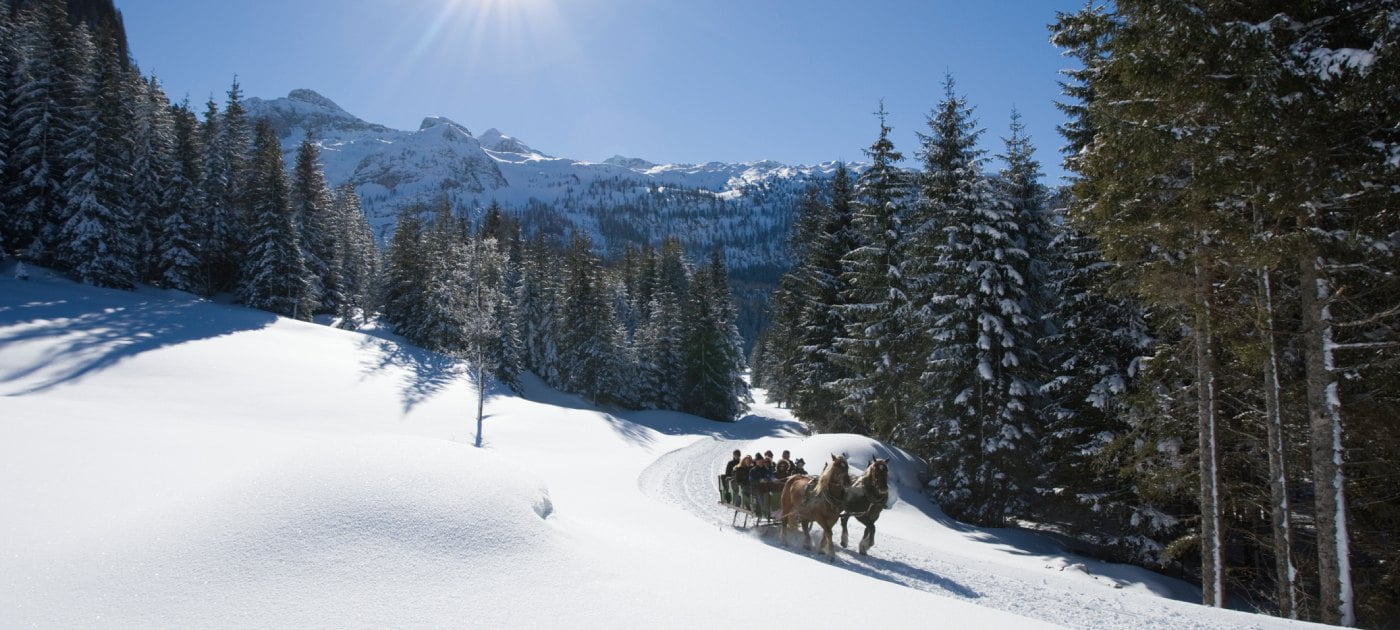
<point x="311" y="97"/>
<point x="495" y="141"/>
<point x="435" y="121"/>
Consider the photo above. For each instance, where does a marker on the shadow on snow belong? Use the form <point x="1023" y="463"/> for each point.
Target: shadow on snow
<point x="94" y="329"/>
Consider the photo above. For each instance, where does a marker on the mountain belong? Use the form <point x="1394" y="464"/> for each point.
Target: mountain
<point x="744" y="208"/>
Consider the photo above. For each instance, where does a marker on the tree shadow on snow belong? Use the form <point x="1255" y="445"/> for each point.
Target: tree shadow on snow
<point x="425" y="373"/>
<point x="88" y="329"/>
<point x="638" y="426"/>
<point x="886" y="569"/>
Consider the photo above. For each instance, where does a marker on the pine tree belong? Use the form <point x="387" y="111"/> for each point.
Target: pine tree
<point x="405" y="272"/>
<point x="9" y="61"/>
<point x="713" y="383"/>
<point x="881" y="388"/>
<point x="445" y="310"/>
<point x="311" y="210"/>
<point x="98" y="240"/>
<point x="49" y="75"/>
<point x="357" y="257"/>
<point x="969" y="267"/>
<point x="274" y="276"/>
<point x="537" y="302"/>
<point x="152" y="170"/>
<point x="820" y="323"/>
<point x="177" y="249"/>
<point x="592" y="343"/>
<point x="1093" y="357"/>
<point x="229" y="185"/>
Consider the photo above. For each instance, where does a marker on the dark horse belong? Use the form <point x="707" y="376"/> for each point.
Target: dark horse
<point x="866" y="497"/>
<point x="807" y="498"/>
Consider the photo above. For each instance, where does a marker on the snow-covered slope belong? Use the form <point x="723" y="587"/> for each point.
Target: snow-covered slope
<point x="167" y="461"/>
<point x="745" y="208"/>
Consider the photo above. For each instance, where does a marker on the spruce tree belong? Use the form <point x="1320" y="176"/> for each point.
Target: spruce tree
<point x="969" y="267"/>
<point x="881" y="385"/>
<point x="152" y="169"/>
<point x="9" y="61"/>
<point x="49" y="75"/>
<point x="820" y="322"/>
<point x="357" y="257"/>
<point x="180" y="236"/>
<point x="97" y="239"/>
<point x="444" y="316"/>
<point x="537" y="305"/>
<point x="311" y="209"/>
<point x="713" y="385"/>
<point x="592" y="343"/>
<point x="229" y="185"/>
<point x="274" y="275"/>
<point x="405" y="272"/>
<point x="1093" y="357"/>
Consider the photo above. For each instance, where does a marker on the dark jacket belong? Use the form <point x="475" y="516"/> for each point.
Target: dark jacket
<point x="760" y="473"/>
<point x="729" y="467"/>
<point x="784" y="468"/>
<point x="741" y="474"/>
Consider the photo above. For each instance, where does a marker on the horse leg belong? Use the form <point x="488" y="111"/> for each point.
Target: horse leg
<point x="868" y="540"/>
<point x="827" y="545"/>
<point x="843" y="530"/>
<point x="806" y="534"/>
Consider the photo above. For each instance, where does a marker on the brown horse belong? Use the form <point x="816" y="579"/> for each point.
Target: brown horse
<point x="807" y="498"/>
<point x="865" y="499"/>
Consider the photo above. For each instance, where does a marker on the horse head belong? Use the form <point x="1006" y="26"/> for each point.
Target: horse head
<point x="836" y="476"/>
<point x="879" y="472"/>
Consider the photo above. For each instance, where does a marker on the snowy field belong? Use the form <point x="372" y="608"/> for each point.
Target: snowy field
<point x="171" y="462"/>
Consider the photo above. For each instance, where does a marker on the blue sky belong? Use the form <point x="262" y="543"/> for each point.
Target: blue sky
<point x="669" y="81"/>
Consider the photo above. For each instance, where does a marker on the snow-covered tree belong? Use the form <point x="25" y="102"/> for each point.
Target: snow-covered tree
<point x="274" y="276"/>
<point x="228" y="184"/>
<point x="713" y="383"/>
<point x="50" y="72"/>
<point x="357" y="257"/>
<point x="311" y="211"/>
<point x="881" y="388"/>
<point x="537" y="302"/>
<point x="152" y="170"/>
<point x="969" y="268"/>
<point x="592" y="344"/>
<point x="180" y="236"/>
<point x="97" y="240"/>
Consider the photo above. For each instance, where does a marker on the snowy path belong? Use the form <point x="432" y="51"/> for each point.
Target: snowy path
<point x="1048" y="588"/>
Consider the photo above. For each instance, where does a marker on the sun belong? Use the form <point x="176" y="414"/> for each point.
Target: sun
<point x="509" y="27"/>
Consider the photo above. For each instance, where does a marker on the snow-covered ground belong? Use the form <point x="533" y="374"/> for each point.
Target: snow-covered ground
<point x="171" y="462"/>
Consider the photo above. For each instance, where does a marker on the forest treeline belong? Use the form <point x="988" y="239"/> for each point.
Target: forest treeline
<point x="1188" y="358"/>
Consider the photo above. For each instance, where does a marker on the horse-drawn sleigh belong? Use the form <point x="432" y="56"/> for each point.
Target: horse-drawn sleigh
<point x="824" y="499"/>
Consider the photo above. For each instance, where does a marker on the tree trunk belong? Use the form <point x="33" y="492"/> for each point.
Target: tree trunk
<point x="1325" y="445"/>
<point x="1286" y="575"/>
<point x="480" y="395"/>
<point x="1212" y="569"/>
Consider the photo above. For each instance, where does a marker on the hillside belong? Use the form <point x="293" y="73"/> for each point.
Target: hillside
<point x="170" y="461"/>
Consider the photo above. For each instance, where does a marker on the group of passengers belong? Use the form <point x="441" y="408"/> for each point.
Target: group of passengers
<point x="761" y="467"/>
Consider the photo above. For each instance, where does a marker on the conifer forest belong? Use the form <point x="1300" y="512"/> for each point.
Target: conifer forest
<point x="1184" y="356"/>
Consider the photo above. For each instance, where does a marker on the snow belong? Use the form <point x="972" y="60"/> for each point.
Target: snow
<point x="175" y="462"/>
